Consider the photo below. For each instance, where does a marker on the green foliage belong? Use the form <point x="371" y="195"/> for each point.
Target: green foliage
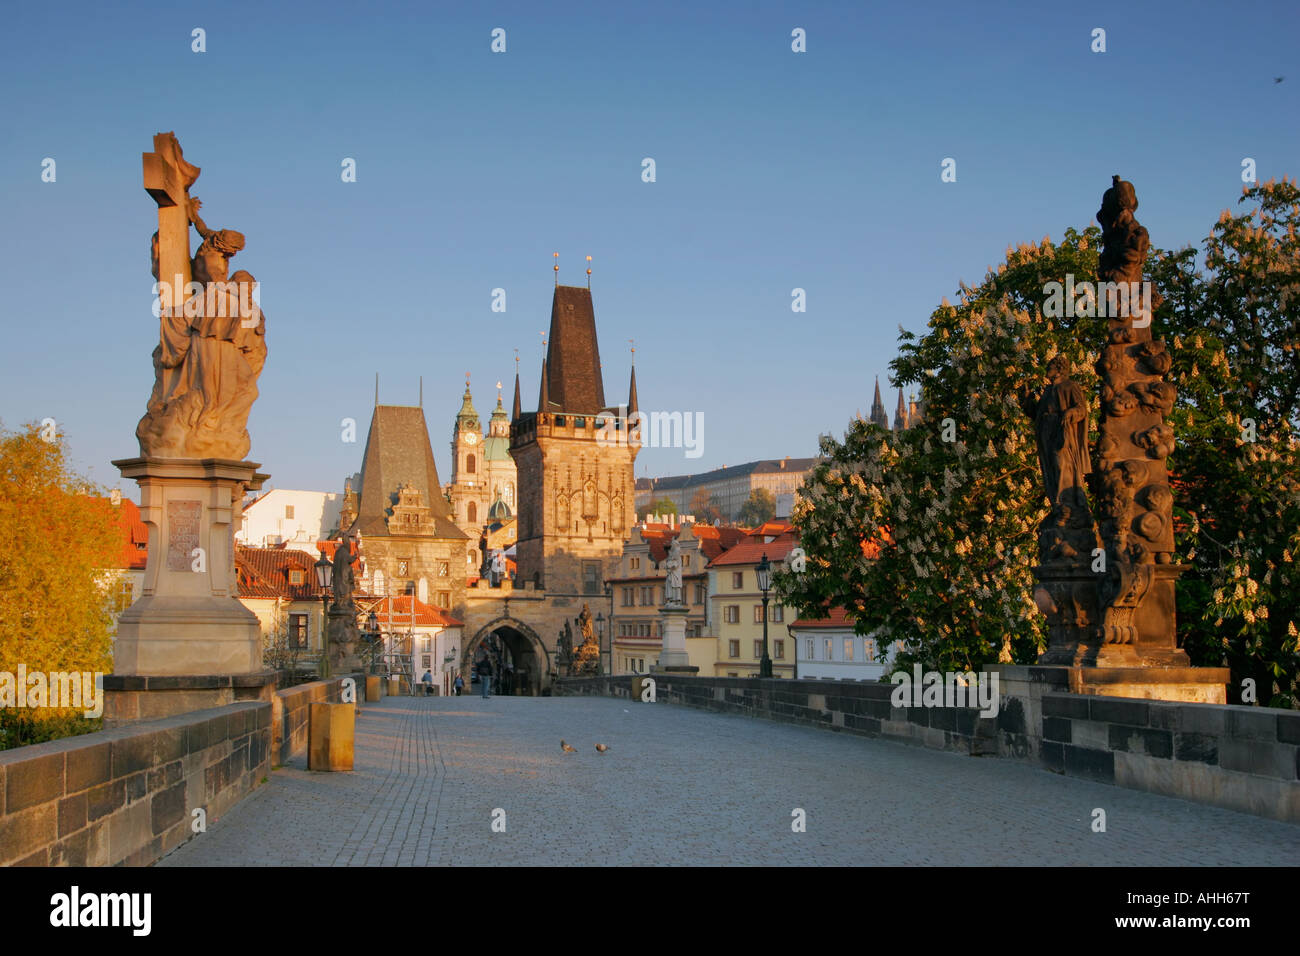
<point x="760" y="506"/>
<point x="932" y="541"/>
<point x="664" y="506"/>
<point x="1235" y="333"/>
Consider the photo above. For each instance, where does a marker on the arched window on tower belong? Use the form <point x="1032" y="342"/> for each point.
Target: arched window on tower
<point x="472" y="509"/>
<point x="469" y="464"/>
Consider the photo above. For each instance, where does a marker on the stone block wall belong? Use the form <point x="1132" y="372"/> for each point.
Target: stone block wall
<point x="1236" y="757"/>
<point x="291" y="710"/>
<point x="856" y="707"/>
<point x="127" y="795"/>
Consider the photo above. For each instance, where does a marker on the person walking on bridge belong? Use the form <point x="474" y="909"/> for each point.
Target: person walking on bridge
<point x="485" y="676"/>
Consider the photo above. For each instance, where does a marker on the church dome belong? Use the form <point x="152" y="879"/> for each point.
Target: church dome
<point x="499" y="510"/>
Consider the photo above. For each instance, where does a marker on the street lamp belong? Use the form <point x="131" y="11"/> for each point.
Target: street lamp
<point x="600" y="638"/>
<point x="764" y="572"/>
<point x="324" y="578"/>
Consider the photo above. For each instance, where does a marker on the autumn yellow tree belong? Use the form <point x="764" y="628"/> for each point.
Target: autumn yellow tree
<point x="58" y="537"/>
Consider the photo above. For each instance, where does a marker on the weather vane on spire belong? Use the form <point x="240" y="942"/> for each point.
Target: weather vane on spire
<point x="588" y="272"/>
<point x="557" y="267"/>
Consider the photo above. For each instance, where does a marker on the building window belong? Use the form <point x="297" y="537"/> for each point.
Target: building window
<point x="686" y="560"/>
<point x="868" y="650"/>
<point x="776" y="614"/>
<point x="469" y="466"/>
<point x="471" y="512"/>
<point x="810" y="649"/>
<point x="298" y="631"/>
<point x="426" y="645"/>
<point x="758" y="614"/>
<point x="733" y="649"/>
<point x="444" y="568"/>
<point x="848" y="648"/>
<point x="828" y="648"/>
<point x="629" y="597"/>
<point x="295" y="576"/>
<point x="635" y="564"/>
<point x="426" y="661"/>
<point x="444" y="599"/>
<point x="732" y="614"/>
<point x="737" y="580"/>
<point x="778" y="648"/>
<point x="758" y="649"/>
<point x="700" y="593"/>
<point x="591" y="578"/>
<point x="647" y="597"/>
<point x="403" y="567"/>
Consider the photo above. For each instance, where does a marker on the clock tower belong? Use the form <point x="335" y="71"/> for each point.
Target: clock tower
<point x="481" y="471"/>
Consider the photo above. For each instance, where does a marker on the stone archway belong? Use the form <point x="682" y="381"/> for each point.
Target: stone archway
<point x="515" y="645"/>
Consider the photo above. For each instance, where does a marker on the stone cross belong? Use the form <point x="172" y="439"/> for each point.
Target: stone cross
<point x="168" y="178"/>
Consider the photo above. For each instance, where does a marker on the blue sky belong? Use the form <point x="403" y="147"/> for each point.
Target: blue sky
<point x="775" y="170"/>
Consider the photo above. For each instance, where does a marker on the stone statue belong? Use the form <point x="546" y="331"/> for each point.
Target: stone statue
<point x="586" y="657"/>
<point x="673" y="579"/>
<point x="344" y="579"/>
<point x="566" y="643"/>
<point x="212" y="342"/>
<point x="1061" y="423"/>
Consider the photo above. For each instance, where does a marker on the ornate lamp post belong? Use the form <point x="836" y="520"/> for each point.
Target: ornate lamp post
<point x="324" y="578"/>
<point x="600" y="640"/>
<point x="371" y="634"/>
<point x="764" y="573"/>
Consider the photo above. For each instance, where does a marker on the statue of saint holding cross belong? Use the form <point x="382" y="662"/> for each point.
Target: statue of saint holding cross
<point x="212" y="341"/>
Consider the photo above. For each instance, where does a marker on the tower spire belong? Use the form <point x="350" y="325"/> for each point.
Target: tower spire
<point x="631" y="391"/>
<point x="900" y="413"/>
<point x="878" y="415"/>
<point x="516" y="411"/>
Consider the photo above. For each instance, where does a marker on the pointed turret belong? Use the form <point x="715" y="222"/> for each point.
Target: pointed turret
<point x="544" y="393"/>
<point x="518" y="409"/>
<point x="467" y="417"/>
<point x="900" y="413"/>
<point x="878" y="416"/>
<point x="632" y="406"/>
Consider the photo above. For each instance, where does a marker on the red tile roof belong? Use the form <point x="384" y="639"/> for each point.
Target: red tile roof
<point x="395" y="614"/>
<point x="837" y="617"/>
<point x="751" y="550"/>
<point x="135" y="535"/>
<point x="267" y="570"/>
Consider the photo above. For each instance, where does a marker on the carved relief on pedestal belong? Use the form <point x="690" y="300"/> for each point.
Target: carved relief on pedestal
<point x="1135" y="503"/>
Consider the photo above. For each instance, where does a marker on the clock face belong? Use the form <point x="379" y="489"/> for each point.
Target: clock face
<point x="471" y="438"/>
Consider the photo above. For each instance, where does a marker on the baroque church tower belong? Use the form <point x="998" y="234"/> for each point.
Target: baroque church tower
<point x="575" y="462"/>
<point x="483" y="483"/>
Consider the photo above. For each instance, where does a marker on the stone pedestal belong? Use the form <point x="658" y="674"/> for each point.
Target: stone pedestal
<point x="331" y="732"/>
<point x="188" y="625"/>
<point x="342" y="636"/>
<point x="673" y="657"/>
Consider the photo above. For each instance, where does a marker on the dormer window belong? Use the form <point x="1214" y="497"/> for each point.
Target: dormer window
<point x="295" y="576"/>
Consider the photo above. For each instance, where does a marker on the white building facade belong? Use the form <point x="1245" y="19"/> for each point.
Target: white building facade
<point x="294" y="519"/>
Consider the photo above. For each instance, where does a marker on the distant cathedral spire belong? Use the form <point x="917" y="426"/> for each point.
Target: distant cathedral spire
<point x="878" y="416"/>
<point x="900" y="414"/>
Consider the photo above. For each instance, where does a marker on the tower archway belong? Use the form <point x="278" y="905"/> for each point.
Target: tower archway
<point x="520" y="662"/>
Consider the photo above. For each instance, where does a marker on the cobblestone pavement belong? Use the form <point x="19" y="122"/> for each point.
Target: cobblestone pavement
<point x="684" y="786"/>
